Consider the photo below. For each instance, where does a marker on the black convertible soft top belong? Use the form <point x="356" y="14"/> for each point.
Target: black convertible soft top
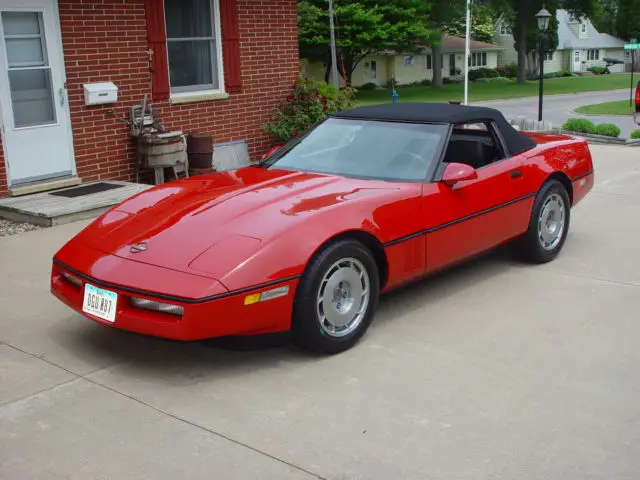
<point x="418" y="112"/>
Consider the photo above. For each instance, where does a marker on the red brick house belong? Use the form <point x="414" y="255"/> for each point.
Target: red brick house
<point x="218" y="66"/>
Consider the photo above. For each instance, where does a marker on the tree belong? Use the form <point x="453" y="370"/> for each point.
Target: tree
<point x="620" y="18"/>
<point x="604" y="16"/>
<point x="628" y="19"/>
<point x="524" y="24"/>
<point x="441" y="14"/>
<point x="363" y="27"/>
<point x="483" y="18"/>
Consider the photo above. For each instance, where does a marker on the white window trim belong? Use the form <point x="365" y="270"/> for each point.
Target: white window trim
<point x="505" y="30"/>
<point x="206" y="94"/>
<point x="479" y="57"/>
<point x="428" y="60"/>
<point x="548" y="56"/>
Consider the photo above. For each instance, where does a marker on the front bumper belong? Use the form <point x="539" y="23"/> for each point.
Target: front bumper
<point x="215" y="316"/>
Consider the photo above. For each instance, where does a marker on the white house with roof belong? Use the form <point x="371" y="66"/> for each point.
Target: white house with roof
<point x="406" y="68"/>
<point x="580" y="46"/>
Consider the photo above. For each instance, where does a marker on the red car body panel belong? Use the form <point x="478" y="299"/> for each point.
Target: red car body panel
<point x="213" y="240"/>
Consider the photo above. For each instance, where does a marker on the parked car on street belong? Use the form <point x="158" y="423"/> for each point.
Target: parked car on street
<point x="308" y="239"/>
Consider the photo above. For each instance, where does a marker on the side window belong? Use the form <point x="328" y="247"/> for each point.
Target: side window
<point x="474" y="144"/>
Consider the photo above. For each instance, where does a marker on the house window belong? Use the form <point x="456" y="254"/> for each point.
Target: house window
<point x="478" y="59"/>
<point x="430" y="62"/>
<point x="505" y="30"/>
<point x="409" y="60"/>
<point x="593" y="54"/>
<point x="583" y="28"/>
<point x="548" y="56"/>
<point x="194" y="45"/>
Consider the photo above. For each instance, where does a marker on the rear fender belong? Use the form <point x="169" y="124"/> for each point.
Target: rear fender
<point x="568" y="160"/>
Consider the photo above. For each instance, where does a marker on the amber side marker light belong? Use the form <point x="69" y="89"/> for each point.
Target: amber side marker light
<point x="266" y="295"/>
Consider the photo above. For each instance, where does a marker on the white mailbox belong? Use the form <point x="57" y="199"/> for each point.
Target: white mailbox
<point x="100" y="93"/>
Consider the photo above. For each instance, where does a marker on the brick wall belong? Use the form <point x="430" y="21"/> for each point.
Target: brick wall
<point x="105" y="40"/>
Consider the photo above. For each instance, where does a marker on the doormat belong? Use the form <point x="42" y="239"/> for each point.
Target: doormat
<point x="86" y="189"/>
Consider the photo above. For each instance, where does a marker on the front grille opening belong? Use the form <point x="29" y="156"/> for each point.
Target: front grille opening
<point x="156" y="306"/>
<point x="72" y="279"/>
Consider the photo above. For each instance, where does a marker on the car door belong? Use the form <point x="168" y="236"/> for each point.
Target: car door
<point x="475" y="215"/>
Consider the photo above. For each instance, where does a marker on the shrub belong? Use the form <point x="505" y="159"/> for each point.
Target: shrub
<point x="368" y="86"/>
<point x="635" y="134"/>
<point x="512" y="70"/>
<point x="502" y="70"/>
<point x="494" y="79"/>
<point x="482" y="73"/>
<point x="580" y="125"/>
<point x="309" y="103"/>
<point x="608" y="130"/>
<point x="596" y="70"/>
<point x="426" y="82"/>
<point x="557" y="74"/>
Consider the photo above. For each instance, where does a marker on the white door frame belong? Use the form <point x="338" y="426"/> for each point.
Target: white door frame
<point x="58" y="54"/>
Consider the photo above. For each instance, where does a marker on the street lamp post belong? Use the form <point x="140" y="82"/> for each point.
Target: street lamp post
<point x="543" y="17"/>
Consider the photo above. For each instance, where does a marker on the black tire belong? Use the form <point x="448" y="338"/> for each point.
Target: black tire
<point x="306" y="324"/>
<point x="528" y="247"/>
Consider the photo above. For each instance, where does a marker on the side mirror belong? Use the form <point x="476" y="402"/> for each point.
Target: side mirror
<point x="272" y="150"/>
<point x="458" y="172"/>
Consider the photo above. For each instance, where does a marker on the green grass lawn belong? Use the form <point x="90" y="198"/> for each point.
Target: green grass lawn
<point x="496" y="90"/>
<point x="608" y="108"/>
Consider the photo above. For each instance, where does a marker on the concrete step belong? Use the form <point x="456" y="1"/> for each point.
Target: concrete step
<point x="48" y="209"/>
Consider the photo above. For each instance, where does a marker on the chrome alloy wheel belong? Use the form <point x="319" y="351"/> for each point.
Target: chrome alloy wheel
<point x="343" y="297"/>
<point x="551" y="222"/>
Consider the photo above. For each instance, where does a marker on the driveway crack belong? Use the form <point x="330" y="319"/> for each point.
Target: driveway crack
<point x="158" y="410"/>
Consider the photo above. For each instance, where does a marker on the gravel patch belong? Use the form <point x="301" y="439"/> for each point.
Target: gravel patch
<point x="12" y="228"/>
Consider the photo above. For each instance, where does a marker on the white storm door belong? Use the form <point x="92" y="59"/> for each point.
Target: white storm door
<point x="35" y="119"/>
<point x="576" y="61"/>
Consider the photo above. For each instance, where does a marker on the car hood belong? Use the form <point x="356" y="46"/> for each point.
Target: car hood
<point x="172" y="224"/>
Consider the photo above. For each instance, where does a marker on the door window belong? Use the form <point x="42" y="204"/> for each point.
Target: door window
<point x="28" y="69"/>
<point x="474" y="144"/>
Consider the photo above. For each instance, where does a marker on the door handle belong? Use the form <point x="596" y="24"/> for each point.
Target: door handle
<point x="515" y="173"/>
<point x="61" y="92"/>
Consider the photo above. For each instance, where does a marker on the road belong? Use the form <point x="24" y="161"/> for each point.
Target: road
<point x="494" y="370"/>
<point x="558" y="108"/>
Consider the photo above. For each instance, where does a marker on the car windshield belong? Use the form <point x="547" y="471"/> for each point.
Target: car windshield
<point x="365" y="149"/>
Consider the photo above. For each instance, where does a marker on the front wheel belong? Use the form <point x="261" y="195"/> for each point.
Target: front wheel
<point x="337" y="297"/>
<point x="548" y="225"/>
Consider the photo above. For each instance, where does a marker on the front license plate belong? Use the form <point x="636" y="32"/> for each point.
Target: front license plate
<point x="99" y="302"/>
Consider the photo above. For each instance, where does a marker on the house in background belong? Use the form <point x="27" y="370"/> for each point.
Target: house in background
<point x="215" y="66"/>
<point x="406" y="68"/>
<point x="580" y="46"/>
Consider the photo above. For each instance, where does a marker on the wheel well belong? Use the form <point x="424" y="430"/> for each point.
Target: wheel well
<point x="566" y="182"/>
<point x="373" y="244"/>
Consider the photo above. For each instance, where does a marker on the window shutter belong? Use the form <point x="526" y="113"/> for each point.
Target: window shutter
<point x="231" y="45"/>
<point x="157" y="38"/>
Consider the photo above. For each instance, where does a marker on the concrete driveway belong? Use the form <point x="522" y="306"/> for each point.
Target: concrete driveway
<point x="492" y="370"/>
<point x="557" y="109"/>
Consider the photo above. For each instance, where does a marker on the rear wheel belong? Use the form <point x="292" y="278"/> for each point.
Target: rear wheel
<point x="548" y="226"/>
<point x="337" y="297"/>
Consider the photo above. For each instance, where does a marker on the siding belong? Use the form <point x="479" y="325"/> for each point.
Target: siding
<point x="106" y="41"/>
<point x="509" y="54"/>
<point x="555" y="64"/>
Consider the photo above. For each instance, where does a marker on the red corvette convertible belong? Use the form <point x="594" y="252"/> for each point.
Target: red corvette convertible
<point x="306" y="240"/>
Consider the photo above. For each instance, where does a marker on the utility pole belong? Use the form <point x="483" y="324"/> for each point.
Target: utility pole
<point x="467" y="53"/>
<point x="334" y="62"/>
